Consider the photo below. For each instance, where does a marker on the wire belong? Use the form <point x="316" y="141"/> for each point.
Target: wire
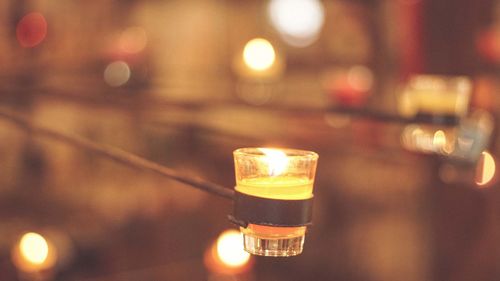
<point x="116" y="154"/>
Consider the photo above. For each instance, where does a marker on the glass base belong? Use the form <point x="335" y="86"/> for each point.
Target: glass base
<point x="282" y="247"/>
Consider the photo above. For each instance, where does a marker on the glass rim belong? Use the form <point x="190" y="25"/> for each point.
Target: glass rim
<point x="290" y="152"/>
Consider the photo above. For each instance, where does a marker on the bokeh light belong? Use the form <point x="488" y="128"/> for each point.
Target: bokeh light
<point x="117" y="73"/>
<point x="360" y="78"/>
<point x="34" y="248"/>
<point x="31" y="30"/>
<point x="133" y="40"/>
<point x="230" y="249"/>
<point x="299" y="22"/>
<point x="259" y="54"/>
<point x="485" y="169"/>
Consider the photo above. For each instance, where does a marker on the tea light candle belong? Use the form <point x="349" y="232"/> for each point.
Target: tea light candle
<point x="281" y="175"/>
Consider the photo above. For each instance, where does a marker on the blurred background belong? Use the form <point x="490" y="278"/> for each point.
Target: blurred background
<point x="185" y="82"/>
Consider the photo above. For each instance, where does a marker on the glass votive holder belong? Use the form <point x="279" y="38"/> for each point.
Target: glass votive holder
<point x="274" y="191"/>
<point x="438" y="104"/>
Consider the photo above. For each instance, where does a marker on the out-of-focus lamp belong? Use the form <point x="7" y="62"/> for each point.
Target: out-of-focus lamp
<point x="298" y="22"/>
<point x="273" y="204"/>
<point x="33" y="253"/>
<point x="439" y="103"/>
<point x="226" y="255"/>
<point x="258" y="60"/>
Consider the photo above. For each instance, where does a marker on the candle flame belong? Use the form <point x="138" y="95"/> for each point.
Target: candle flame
<point x="34" y="248"/>
<point x="276" y="161"/>
<point x="439" y="140"/>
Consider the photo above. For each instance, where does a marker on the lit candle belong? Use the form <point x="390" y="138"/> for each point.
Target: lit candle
<point x="439" y="99"/>
<point x="282" y="175"/>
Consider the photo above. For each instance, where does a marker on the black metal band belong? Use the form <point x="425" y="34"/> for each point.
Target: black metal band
<point x="432" y="118"/>
<point x="272" y="212"/>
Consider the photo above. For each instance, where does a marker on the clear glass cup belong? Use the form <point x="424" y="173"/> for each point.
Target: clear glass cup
<point x="284" y="174"/>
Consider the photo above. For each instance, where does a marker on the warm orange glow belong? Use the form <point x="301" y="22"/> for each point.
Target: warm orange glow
<point x="360" y="78"/>
<point x="230" y="249"/>
<point x="33" y="253"/>
<point x="485" y="170"/>
<point x="259" y="54"/>
<point x="276" y="160"/>
<point x="133" y="40"/>
<point x="34" y="248"/>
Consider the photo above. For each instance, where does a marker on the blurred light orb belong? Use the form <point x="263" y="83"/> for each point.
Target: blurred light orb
<point x="133" y="40"/>
<point x="360" y="78"/>
<point x="486" y="168"/>
<point x="34" y="248"/>
<point x="31" y="30"/>
<point x="259" y="54"/>
<point x="230" y="249"/>
<point x="117" y="73"/>
<point x="299" y="22"/>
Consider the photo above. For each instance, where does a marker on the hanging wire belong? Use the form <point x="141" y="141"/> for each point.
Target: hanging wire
<point x="116" y="154"/>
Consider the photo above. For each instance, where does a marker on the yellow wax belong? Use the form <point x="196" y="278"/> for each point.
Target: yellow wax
<point x="442" y="102"/>
<point x="279" y="187"/>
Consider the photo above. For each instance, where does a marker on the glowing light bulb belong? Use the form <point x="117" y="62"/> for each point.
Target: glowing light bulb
<point x="259" y="54"/>
<point x="299" y="22"/>
<point x="230" y="249"/>
<point x="360" y="78"/>
<point x="276" y="160"/>
<point x="34" y="248"/>
<point x="117" y="73"/>
<point x="485" y="169"/>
